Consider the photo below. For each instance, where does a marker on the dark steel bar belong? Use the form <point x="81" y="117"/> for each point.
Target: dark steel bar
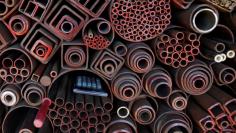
<point x="61" y="93"/>
<point x="38" y="72"/>
<point x="27" y="124"/>
<point x="98" y="108"/>
<point x="89" y="103"/>
<point x="79" y="102"/>
<point x="55" y="69"/>
<point x="107" y="104"/>
<point x="212" y="105"/>
<point x="200" y="116"/>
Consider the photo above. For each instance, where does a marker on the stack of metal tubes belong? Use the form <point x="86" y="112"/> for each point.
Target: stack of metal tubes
<point x="117" y="66"/>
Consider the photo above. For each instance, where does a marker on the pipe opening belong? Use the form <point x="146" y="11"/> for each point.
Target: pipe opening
<point x="34" y="97"/>
<point x="67" y="27"/>
<point x="3" y="8"/>
<point x="163" y="90"/>
<point x="205" y="20"/>
<point x="199" y="84"/>
<point x="123" y="112"/>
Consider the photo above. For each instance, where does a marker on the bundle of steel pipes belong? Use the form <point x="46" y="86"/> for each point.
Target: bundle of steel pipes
<point x="117" y="66"/>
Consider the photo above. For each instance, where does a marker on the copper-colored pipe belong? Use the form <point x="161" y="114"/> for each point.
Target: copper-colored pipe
<point x="195" y="79"/>
<point x="126" y="86"/>
<point x="75" y="57"/>
<point x="224" y="74"/>
<point x="120" y="48"/>
<point x="178" y="100"/>
<point x="33" y="94"/>
<point x="169" y="120"/>
<point x="104" y="27"/>
<point x="19" y="24"/>
<point x="214" y="45"/>
<point x="223" y="122"/>
<point x="8" y="61"/>
<point x="92" y="129"/>
<point x="143" y="112"/>
<point x="117" y="125"/>
<point x="157" y="83"/>
<point x="137" y="63"/>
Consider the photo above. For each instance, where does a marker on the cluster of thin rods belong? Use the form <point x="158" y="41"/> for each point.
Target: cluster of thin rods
<point x="140" y="20"/>
<point x="77" y="112"/>
<point x="177" y="48"/>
